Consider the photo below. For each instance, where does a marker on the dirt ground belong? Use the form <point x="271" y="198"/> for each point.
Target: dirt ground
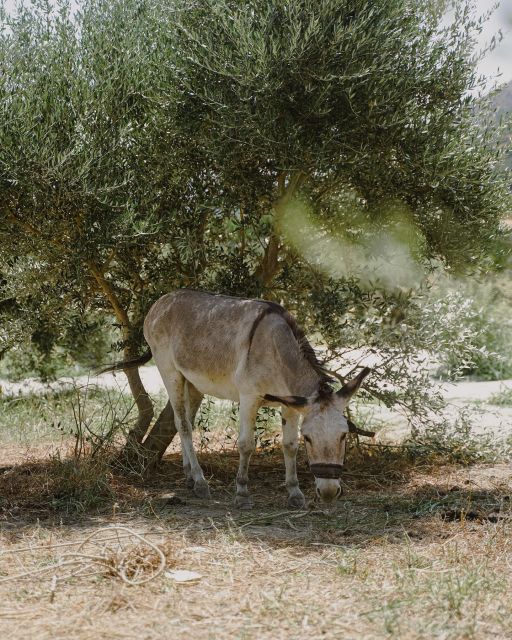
<point x="412" y="550"/>
<point x="409" y="552"/>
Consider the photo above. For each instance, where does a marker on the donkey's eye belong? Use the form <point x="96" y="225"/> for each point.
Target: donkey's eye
<point x="307" y="439"/>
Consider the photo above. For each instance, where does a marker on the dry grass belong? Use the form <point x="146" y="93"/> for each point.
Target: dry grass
<point x="410" y="552"/>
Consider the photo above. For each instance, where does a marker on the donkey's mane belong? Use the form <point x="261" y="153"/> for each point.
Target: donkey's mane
<point x="304" y="345"/>
<point x="324" y="384"/>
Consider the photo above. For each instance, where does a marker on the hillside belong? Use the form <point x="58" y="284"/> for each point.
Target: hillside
<point x="502" y="100"/>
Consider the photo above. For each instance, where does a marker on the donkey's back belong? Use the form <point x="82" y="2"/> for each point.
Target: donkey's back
<point x="209" y="338"/>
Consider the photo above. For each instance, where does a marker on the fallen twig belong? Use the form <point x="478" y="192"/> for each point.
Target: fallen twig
<point x="133" y="564"/>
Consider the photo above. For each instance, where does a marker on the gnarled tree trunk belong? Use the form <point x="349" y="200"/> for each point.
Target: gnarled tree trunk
<point x="159" y="438"/>
<point x="270" y="266"/>
<point x="144" y="407"/>
<point x="133" y="450"/>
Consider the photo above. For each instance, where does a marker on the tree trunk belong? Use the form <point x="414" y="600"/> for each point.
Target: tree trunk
<point x="132" y="449"/>
<point x="160" y="437"/>
<point x="270" y="266"/>
<point x="144" y="406"/>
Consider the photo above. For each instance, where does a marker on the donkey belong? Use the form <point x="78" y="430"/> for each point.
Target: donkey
<point x="252" y="352"/>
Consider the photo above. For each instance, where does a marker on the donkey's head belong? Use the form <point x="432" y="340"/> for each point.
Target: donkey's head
<point x="325" y="428"/>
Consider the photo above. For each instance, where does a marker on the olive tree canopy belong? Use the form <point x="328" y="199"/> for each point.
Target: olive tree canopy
<point x="319" y="152"/>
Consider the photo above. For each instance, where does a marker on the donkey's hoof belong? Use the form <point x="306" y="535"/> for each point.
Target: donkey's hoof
<point x="298" y="501"/>
<point x="245" y="503"/>
<point x="202" y="490"/>
<point x="189" y="481"/>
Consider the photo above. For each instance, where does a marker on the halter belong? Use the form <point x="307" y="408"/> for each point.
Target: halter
<point x="326" y="470"/>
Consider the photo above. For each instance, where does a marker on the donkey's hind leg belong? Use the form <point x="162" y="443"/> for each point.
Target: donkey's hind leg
<point x="248" y="411"/>
<point x="175" y="385"/>
<point x="193" y="402"/>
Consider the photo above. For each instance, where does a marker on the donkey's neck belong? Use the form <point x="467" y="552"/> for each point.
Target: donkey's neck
<point x="307" y="387"/>
<point x="302" y="379"/>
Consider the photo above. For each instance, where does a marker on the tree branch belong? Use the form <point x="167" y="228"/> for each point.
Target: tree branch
<point x="270" y="265"/>
<point x="111" y="296"/>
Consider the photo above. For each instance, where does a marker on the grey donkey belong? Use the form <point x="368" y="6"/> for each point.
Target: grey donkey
<point x="252" y="352"/>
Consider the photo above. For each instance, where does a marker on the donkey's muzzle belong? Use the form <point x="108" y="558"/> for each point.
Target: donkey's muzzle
<point x="326" y="470"/>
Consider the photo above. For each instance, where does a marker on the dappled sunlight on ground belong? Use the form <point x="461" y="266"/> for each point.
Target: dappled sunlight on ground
<point x="415" y="547"/>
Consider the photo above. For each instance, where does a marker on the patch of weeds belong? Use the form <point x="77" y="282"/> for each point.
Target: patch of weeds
<point x="435" y="600"/>
<point x="213" y="417"/>
<point x="454" y="591"/>
<point x="437" y="438"/>
<point x="97" y="427"/>
<point x="485" y="348"/>
<point x="203" y="421"/>
<point x="454" y="442"/>
<point x="389" y="614"/>
<point x="92" y="422"/>
<point x="414" y="560"/>
<point x="349" y="564"/>
<point x="392" y="614"/>
<point x="88" y="413"/>
<point x="267" y="422"/>
<point x="30" y="417"/>
<point x="80" y="484"/>
<point x="502" y="399"/>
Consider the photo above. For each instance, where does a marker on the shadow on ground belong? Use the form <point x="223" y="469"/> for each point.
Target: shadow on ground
<point x="384" y="498"/>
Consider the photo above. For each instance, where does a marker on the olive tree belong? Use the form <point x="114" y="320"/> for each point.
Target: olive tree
<point x="88" y="193"/>
<point x="286" y="150"/>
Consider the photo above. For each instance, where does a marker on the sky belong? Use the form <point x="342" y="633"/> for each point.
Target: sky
<point x="499" y="60"/>
<point x="496" y="62"/>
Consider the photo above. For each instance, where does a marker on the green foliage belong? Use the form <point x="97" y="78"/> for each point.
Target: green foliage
<point x="84" y="172"/>
<point x="353" y="95"/>
<point x="78" y="345"/>
<point x="483" y="346"/>
<point x="502" y="399"/>
<point x="501" y="102"/>
<point x="455" y="442"/>
<point x="89" y="417"/>
<point x="36" y="417"/>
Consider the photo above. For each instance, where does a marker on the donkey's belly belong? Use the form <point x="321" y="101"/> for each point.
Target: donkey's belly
<point x="213" y="385"/>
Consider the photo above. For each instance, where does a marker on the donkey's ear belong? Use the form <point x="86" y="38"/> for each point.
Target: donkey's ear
<point x="352" y="428"/>
<point x="352" y="386"/>
<point x="295" y="402"/>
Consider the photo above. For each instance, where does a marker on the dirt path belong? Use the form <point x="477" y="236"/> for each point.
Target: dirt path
<point x="461" y="391"/>
<point x="489" y="419"/>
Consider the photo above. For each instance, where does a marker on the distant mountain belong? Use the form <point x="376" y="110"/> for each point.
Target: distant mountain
<point x="502" y="100"/>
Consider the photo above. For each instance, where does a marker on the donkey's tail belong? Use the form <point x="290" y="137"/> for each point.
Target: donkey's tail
<point x="129" y="364"/>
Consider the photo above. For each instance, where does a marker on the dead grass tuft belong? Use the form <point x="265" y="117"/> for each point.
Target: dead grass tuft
<point x="115" y="551"/>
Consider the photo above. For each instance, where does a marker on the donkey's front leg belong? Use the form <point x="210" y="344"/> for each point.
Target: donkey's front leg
<point x="290" y="420"/>
<point x="248" y="412"/>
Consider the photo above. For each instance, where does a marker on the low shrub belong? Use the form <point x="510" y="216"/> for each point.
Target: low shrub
<point x="483" y="348"/>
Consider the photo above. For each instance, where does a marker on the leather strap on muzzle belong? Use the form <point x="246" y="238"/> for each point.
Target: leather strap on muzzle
<point x="326" y="470"/>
